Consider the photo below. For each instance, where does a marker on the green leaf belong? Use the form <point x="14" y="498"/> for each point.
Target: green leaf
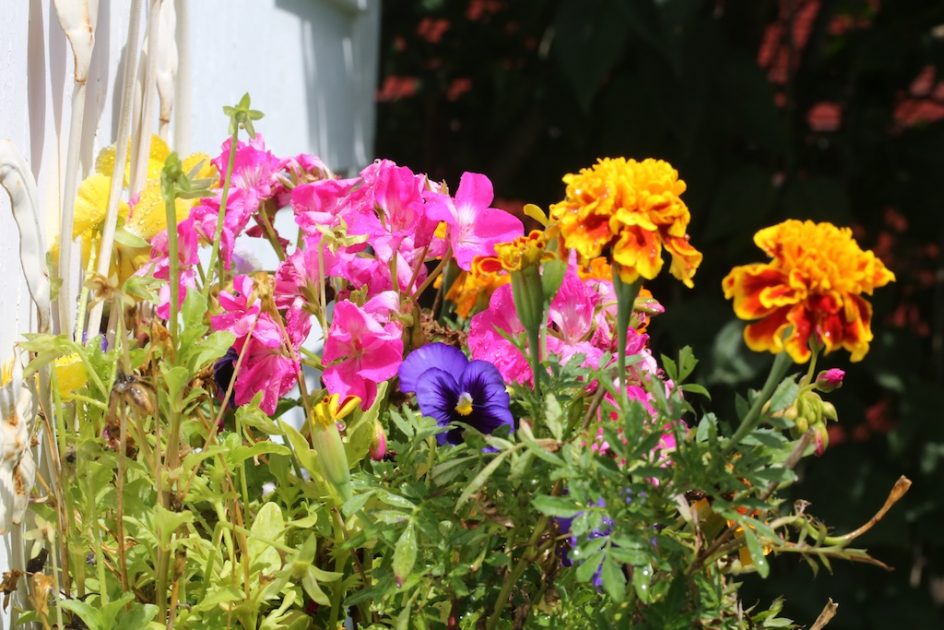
<point x="360" y="430"/>
<point x="89" y="615"/>
<point x="306" y="456"/>
<point x="552" y="275"/>
<point x="670" y="367"/>
<point x="614" y="581"/>
<point x="642" y="580"/>
<point x="695" y="388"/>
<point x="556" y="506"/>
<point x="552" y="415"/>
<point x="481" y="478"/>
<point x="269" y="525"/>
<point x="251" y="416"/>
<point x="404" y="554"/>
<point x="785" y="395"/>
<point x="176" y="379"/>
<point x="310" y="584"/>
<point x="589" y="567"/>
<point x="757" y="553"/>
<point x="167" y="522"/>
<point x="126" y="239"/>
<point x="687" y="363"/>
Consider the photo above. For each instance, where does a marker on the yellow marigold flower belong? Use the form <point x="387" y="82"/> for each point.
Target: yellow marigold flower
<point x="473" y="289"/>
<point x="525" y="251"/>
<point x="813" y="283"/>
<point x="629" y="211"/>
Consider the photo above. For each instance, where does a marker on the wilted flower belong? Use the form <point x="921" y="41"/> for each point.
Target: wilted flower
<point x="814" y="284"/>
<point x="629" y="210"/>
<point x="450" y="388"/>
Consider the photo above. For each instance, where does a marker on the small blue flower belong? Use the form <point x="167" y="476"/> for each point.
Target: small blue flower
<point x="449" y="388"/>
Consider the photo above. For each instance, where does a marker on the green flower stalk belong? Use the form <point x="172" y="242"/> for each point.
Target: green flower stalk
<point x="326" y="440"/>
<point x="523" y="258"/>
<point x="625" y="301"/>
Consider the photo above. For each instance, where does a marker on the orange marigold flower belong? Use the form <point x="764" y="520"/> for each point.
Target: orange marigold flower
<point x="473" y="289"/>
<point x="629" y="210"/>
<point x="814" y="284"/>
<point x="525" y="251"/>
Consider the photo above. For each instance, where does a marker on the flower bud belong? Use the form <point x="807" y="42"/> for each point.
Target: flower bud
<point x="829" y="380"/>
<point x="821" y="437"/>
<point x="829" y="411"/>
<point x="378" y="443"/>
<point x="326" y="440"/>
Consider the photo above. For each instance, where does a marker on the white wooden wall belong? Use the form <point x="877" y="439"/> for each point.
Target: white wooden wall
<point x="310" y="65"/>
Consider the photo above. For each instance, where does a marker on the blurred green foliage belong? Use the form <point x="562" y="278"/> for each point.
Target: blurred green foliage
<point x="809" y="109"/>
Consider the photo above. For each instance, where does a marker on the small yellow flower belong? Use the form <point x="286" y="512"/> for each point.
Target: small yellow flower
<point x="525" y="251"/>
<point x="143" y="219"/>
<point x="813" y="283"/>
<point x="70" y="374"/>
<point x="629" y="211"/>
<point x="331" y="408"/>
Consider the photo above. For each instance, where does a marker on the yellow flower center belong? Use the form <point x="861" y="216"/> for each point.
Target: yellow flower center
<point x="464" y="406"/>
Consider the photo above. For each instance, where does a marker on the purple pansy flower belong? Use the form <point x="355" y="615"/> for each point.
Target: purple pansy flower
<point x="450" y="388"/>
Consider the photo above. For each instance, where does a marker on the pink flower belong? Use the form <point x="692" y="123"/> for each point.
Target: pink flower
<point x="265" y="368"/>
<point x="254" y="169"/>
<point x="267" y="365"/>
<point x="320" y="203"/>
<point x="238" y="213"/>
<point x="363" y="347"/>
<point x="159" y="266"/>
<point x="474" y="227"/>
<point x="487" y="343"/>
<point x="239" y="311"/>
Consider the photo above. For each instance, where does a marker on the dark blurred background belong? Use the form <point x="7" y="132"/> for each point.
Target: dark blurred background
<point x="769" y="109"/>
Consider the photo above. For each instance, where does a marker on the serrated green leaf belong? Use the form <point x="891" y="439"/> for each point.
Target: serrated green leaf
<point x="756" y="551"/>
<point x="481" y="478"/>
<point x="614" y="581"/>
<point x="404" y="554"/>
<point x="552" y="415"/>
<point x="562" y="507"/>
<point x="785" y="395"/>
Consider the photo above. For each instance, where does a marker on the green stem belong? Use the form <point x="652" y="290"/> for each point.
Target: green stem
<point x="778" y="371"/>
<point x="625" y="299"/>
<point x="171" y="210"/>
<point x="512" y="576"/>
<point x="221" y="215"/>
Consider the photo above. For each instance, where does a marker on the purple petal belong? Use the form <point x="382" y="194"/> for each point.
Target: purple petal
<point x="432" y="355"/>
<point x="437" y="394"/>
<point x="490" y="400"/>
